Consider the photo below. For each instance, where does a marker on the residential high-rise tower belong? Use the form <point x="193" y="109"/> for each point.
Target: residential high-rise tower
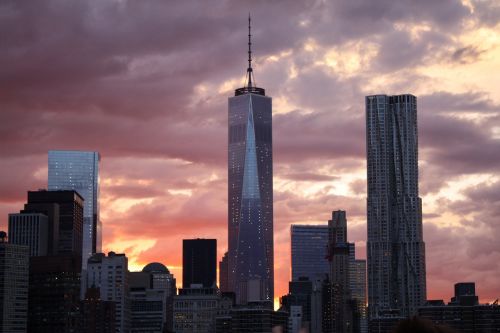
<point x="395" y="247"/>
<point x="250" y="191"/>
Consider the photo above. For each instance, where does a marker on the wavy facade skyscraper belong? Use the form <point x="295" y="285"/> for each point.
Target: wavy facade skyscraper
<point x="250" y="192"/>
<point x="395" y="247"/>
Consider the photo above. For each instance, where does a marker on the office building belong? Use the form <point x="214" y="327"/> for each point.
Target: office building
<point x="51" y="210"/>
<point x="151" y="295"/>
<point x="463" y="313"/>
<point x="338" y="256"/>
<point x="250" y="190"/>
<point x="30" y="229"/>
<point x="308" y="251"/>
<point x="14" y="263"/>
<point x="79" y="171"/>
<point x="307" y="295"/>
<point x="395" y="246"/>
<point x="199" y="262"/>
<point x="195" y="309"/>
<point x="357" y="282"/>
<point x="54" y="293"/>
<point x="96" y="315"/>
<point x="258" y="317"/>
<point x="68" y="207"/>
<point x="110" y="275"/>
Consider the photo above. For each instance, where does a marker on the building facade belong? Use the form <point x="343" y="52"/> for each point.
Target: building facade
<point x="195" y="309"/>
<point x="14" y="276"/>
<point x="30" y="229"/>
<point x="79" y="171"/>
<point x="54" y="293"/>
<point x="308" y="251"/>
<point x="395" y="246"/>
<point x="199" y="262"/>
<point x="110" y="275"/>
<point x="69" y="210"/>
<point x="250" y="190"/>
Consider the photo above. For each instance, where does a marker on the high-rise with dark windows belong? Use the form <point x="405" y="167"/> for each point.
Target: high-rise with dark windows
<point x="395" y="247"/>
<point x="250" y="192"/>
<point x="199" y="262"/>
<point x="308" y="251"/>
<point x="79" y="171"/>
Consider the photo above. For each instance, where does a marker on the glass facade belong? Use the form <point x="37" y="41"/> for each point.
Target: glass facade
<point x="79" y="171"/>
<point x="309" y="248"/>
<point x="395" y="246"/>
<point x="250" y="194"/>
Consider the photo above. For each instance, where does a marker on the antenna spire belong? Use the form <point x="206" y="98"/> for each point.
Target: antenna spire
<point x="249" y="69"/>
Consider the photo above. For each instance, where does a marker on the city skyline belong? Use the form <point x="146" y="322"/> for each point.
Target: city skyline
<point x="163" y="164"/>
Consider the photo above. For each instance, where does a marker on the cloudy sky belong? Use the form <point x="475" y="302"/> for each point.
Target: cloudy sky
<point x="146" y="84"/>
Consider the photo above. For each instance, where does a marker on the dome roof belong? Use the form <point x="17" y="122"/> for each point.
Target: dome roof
<point x="155" y="267"/>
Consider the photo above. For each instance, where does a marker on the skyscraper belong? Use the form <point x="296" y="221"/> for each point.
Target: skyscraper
<point x="395" y="247"/>
<point x="338" y="255"/>
<point x="250" y="189"/>
<point x="79" y="171"/>
<point x="199" y="262"/>
<point x="69" y="211"/>
<point x="309" y="243"/>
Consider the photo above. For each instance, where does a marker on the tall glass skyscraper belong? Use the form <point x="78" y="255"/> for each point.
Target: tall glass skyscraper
<point x="309" y="249"/>
<point x="395" y="247"/>
<point x="79" y="171"/>
<point x="250" y="192"/>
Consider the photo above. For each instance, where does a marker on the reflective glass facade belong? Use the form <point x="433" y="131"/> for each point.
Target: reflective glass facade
<point x="250" y="194"/>
<point x="79" y="171"/>
<point x="309" y="247"/>
<point x="395" y="247"/>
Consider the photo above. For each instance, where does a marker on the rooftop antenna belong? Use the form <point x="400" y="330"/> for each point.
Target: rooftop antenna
<point x="249" y="69"/>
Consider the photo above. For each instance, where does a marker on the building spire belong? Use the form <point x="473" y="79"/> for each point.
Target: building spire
<point x="249" y="69"/>
<point x="250" y="86"/>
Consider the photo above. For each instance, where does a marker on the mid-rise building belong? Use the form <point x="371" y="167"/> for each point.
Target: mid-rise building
<point x="54" y="293"/>
<point x="259" y="317"/>
<point x="30" y="229"/>
<point x="195" y="309"/>
<point x="110" y="274"/>
<point x="96" y="315"/>
<point x="151" y="299"/>
<point x="14" y="263"/>
<point x="463" y="312"/>
<point x="250" y="190"/>
<point x="395" y="246"/>
<point x="199" y="262"/>
<point x="79" y="171"/>
<point x="308" y="251"/>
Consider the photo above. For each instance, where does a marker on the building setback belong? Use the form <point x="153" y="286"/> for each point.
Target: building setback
<point x="79" y="171"/>
<point x="395" y="246"/>
<point x="14" y="263"/>
<point x="199" y="262"/>
<point x="250" y="191"/>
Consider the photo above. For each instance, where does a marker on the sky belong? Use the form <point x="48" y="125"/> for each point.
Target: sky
<point x="146" y="84"/>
